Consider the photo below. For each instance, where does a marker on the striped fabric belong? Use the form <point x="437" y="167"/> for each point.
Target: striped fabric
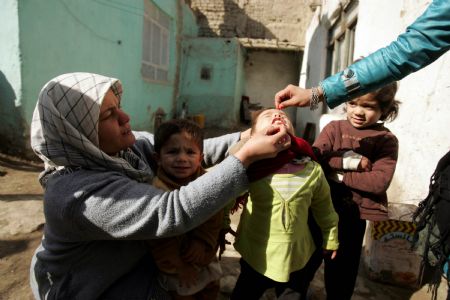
<point x="287" y="186"/>
<point x="64" y="129"/>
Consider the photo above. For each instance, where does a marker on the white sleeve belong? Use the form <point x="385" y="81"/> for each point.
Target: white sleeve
<point x="351" y="160"/>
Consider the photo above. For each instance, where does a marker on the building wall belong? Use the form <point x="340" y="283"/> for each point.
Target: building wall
<point x="190" y="27"/>
<point x="240" y="84"/>
<point x="101" y="37"/>
<point x="216" y="94"/>
<point x="43" y="39"/>
<point x="314" y="63"/>
<point x="259" y="19"/>
<point x="263" y="27"/>
<point x="424" y="110"/>
<point x="267" y="71"/>
<point x="11" y="108"/>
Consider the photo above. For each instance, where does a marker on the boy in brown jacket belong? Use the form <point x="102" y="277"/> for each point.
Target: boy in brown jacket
<point x="188" y="264"/>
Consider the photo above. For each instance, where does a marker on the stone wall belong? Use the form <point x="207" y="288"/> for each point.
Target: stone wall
<point x="285" y="21"/>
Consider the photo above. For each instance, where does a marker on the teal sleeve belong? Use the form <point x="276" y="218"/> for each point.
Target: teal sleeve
<point x="423" y="42"/>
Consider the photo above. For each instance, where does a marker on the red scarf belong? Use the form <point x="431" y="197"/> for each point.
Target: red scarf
<point x="262" y="168"/>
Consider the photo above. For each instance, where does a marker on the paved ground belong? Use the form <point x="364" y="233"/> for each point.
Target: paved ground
<point x="366" y="289"/>
<point x="21" y="220"/>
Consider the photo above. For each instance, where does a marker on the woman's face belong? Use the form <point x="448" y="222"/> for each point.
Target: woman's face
<point x="273" y="117"/>
<point x="114" y="131"/>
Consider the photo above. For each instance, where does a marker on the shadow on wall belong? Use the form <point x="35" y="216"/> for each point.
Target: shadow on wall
<point x="236" y="23"/>
<point x="312" y="72"/>
<point x="12" y="129"/>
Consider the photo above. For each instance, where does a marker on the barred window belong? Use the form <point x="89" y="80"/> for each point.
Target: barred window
<point x="341" y="42"/>
<point x="155" y="43"/>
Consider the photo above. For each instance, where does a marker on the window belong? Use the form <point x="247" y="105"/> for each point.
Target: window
<point x="341" y="42"/>
<point x="155" y="43"/>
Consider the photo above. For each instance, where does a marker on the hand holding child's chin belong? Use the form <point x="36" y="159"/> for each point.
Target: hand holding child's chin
<point x="264" y="144"/>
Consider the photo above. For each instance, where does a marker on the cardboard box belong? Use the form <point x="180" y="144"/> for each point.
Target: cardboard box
<point x="388" y="256"/>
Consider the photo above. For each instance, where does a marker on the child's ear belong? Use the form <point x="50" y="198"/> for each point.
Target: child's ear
<point x="201" y="157"/>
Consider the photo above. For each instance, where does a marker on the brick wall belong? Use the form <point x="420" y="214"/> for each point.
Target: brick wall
<point x="259" y="19"/>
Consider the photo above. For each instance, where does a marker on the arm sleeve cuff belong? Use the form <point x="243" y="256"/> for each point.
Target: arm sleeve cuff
<point x="351" y="160"/>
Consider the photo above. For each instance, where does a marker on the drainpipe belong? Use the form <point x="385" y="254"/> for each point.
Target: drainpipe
<point x="178" y="37"/>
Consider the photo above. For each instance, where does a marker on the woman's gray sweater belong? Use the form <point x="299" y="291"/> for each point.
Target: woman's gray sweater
<point x="97" y="222"/>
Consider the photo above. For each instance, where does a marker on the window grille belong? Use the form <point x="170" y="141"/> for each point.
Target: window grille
<point x="155" y="43"/>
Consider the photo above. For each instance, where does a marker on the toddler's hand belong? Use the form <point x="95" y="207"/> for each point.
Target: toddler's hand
<point x="329" y="253"/>
<point x="364" y="165"/>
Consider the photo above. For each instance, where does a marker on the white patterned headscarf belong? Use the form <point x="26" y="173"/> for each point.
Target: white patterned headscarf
<point x="64" y="129"/>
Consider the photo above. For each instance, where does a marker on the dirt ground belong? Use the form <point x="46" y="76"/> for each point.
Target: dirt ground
<point x="21" y="223"/>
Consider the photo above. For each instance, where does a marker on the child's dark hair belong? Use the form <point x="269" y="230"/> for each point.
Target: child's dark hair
<point x="171" y="127"/>
<point x="386" y="100"/>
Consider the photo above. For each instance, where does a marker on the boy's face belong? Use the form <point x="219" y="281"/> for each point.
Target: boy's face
<point x="180" y="156"/>
<point x="273" y="117"/>
<point x="363" y="111"/>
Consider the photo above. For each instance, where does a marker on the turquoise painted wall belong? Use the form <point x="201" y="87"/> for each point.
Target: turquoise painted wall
<point x="60" y="36"/>
<point x="190" y="27"/>
<point x="11" y="108"/>
<point x="240" y="80"/>
<point x="217" y="97"/>
<point x="43" y="39"/>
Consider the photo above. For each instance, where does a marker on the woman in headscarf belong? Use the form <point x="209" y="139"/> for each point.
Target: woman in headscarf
<point x="99" y="206"/>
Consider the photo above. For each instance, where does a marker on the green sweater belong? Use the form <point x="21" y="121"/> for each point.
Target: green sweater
<point x="273" y="234"/>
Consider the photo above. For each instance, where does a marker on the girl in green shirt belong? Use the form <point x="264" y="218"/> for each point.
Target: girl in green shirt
<point x="273" y="236"/>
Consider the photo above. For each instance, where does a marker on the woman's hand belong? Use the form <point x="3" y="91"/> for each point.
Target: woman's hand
<point x="264" y="145"/>
<point x="294" y="96"/>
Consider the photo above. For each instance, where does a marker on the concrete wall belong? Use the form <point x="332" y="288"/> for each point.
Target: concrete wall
<point x="11" y="108"/>
<point x="43" y="39"/>
<point x="259" y="19"/>
<point x="101" y="37"/>
<point x="218" y="96"/>
<point x="424" y="112"/>
<point x="314" y="63"/>
<point x="266" y="72"/>
<point x="425" y="109"/>
<point x="190" y="27"/>
<point x="240" y="84"/>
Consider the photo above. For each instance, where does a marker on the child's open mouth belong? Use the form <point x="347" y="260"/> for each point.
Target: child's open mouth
<point x="278" y="121"/>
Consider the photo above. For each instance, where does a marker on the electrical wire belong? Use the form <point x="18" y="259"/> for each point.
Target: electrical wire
<point x="121" y="7"/>
<point x="77" y="19"/>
